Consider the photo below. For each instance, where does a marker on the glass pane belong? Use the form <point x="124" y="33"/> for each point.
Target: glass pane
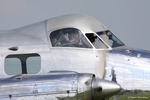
<point x="13" y="66"/>
<point x="110" y="38"/>
<point x="33" y="64"/>
<point x="96" y="41"/>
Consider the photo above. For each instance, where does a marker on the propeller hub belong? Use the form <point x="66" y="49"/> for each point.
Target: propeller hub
<point x="104" y="88"/>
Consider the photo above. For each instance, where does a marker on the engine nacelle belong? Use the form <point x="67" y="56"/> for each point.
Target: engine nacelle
<point x="57" y="85"/>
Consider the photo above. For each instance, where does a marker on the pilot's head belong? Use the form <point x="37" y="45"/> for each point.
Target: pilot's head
<point x="74" y="37"/>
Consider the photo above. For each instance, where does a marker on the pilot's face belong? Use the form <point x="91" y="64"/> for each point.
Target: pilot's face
<point x="74" y="37"/>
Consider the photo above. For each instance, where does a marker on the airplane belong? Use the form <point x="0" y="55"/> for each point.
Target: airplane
<point x="70" y="57"/>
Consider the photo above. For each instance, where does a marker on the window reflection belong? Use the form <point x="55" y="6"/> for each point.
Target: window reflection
<point x="33" y="64"/>
<point x="13" y="66"/>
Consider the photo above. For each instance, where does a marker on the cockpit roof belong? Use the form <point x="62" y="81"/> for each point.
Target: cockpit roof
<point x="36" y="34"/>
<point x="82" y="22"/>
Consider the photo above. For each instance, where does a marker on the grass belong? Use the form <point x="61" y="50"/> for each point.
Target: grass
<point x="133" y="96"/>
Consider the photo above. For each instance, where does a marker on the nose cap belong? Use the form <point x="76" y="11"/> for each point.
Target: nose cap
<point x="104" y="88"/>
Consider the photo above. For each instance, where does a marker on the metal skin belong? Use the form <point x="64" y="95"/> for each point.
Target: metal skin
<point x="131" y="70"/>
<point x="126" y="66"/>
<point x="57" y="86"/>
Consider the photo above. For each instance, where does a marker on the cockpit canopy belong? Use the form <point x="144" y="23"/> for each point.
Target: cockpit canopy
<point x="73" y="37"/>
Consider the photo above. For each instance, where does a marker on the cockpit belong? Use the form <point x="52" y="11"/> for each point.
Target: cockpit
<point x="72" y="37"/>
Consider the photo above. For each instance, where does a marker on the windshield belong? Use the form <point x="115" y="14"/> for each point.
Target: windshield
<point x="110" y="38"/>
<point x="96" y="41"/>
<point x="69" y="37"/>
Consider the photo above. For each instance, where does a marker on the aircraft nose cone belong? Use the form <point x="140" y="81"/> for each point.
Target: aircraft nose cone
<point x="104" y="88"/>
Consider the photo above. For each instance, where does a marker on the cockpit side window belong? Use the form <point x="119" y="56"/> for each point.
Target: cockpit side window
<point x="96" y="41"/>
<point x="69" y="37"/>
<point x="111" y="39"/>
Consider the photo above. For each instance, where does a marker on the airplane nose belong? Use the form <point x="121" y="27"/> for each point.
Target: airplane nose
<point x="104" y="88"/>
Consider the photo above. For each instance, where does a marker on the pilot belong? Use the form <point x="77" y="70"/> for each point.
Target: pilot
<point x="74" y="38"/>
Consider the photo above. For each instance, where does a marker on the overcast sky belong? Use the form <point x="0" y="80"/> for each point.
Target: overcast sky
<point x="129" y="20"/>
